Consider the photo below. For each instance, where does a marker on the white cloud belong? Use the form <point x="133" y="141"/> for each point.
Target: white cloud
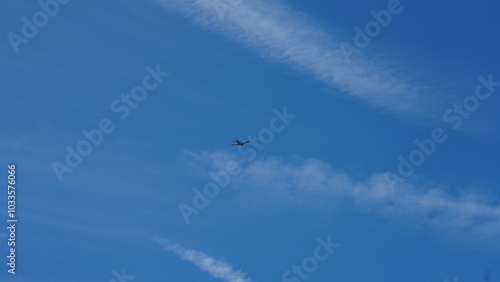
<point x="284" y="34"/>
<point x="216" y="268"/>
<point x="466" y="215"/>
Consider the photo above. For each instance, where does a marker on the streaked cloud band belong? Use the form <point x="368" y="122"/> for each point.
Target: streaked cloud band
<point x="214" y="267"/>
<point x="281" y="33"/>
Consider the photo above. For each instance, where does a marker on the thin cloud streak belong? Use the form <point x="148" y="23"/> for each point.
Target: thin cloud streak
<point x="216" y="268"/>
<point x="289" y="36"/>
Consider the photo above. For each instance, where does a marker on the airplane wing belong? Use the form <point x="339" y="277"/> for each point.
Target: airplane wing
<point x="244" y="142"/>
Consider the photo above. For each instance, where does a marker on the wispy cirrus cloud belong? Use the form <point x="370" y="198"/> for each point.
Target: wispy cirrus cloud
<point x="456" y="212"/>
<point x="282" y="33"/>
<point x="214" y="267"/>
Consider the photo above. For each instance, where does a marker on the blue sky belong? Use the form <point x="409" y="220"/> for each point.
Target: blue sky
<point x="373" y="155"/>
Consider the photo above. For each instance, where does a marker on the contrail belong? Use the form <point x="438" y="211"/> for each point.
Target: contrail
<point x="281" y="33"/>
<point x="214" y="267"/>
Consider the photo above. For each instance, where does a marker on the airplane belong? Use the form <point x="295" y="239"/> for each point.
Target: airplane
<point x="239" y="143"/>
